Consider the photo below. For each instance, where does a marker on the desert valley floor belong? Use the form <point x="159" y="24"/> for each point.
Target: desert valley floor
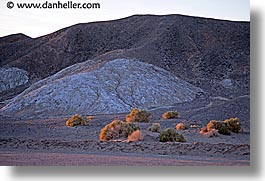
<point x="49" y="142"/>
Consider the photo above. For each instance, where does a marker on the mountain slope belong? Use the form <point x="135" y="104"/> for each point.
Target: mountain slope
<point x="202" y="51"/>
<point x="114" y="87"/>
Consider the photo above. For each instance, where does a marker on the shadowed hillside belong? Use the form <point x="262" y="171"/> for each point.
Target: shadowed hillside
<point x="210" y="54"/>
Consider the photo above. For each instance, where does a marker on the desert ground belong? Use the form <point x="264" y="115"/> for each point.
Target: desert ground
<point x="199" y="67"/>
<point x="48" y="141"/>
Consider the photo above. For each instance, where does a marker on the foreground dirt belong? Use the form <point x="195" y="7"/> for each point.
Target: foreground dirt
<point x="48" y="141"/>
<point x="74" y="159"/>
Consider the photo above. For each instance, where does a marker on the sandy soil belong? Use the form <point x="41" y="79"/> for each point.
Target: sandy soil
<point x="48" y="141"/>
<point x="74" y="159"/>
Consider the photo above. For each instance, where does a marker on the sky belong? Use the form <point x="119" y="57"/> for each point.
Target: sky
<point x="38" y="22"/>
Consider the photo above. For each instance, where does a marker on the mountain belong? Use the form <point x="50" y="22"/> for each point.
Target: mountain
<point x="113" y="87"/>
<point x="143" y="61"/>
<point x="208" y="53"/>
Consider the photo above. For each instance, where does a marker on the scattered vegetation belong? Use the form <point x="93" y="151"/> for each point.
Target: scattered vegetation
<point x="155" y="127"/>
<point x="223" y="127"/>
<point x="136" y="136"/>
<point x="170" y="115"/>
<point x="218" y="125"/>
<point x="180" y="126"/>
<point x="233" y="125"/>
<point x="170" y="134"/>
<point x="113" y="130"/>
<point x="203" y="130"/>
<point x="117" y="129"/>
<point x="138" y="115"/>
<point x="77" y="120"/>
<point x="212" y="133"/>
<point x="130" y="128"/>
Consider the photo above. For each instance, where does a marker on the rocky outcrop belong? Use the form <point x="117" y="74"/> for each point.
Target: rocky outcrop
<point x="112" y="87"/>
<point x="11" y="78"/>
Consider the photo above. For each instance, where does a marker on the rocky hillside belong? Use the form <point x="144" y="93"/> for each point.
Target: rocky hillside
<point x="113" y="87"/>
<point x="11" y="78"/>
<point x="211" y="54"/>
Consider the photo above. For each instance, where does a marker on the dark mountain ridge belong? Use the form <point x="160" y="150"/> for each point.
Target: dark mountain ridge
<point x="204" y="52"/>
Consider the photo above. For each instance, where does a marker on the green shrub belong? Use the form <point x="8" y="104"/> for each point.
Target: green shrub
<point x="138" y="115"/>
<point x="223" y="127"/>
<point x="117" y="129"/>
<point x="170" y="115"/>
<point x="76" y="120"/>
<point x="170" y="134"/>
<point x="155" y="127"/>
<point x="233" y="125"/>
<point x="220" y="126"/>
<point x="130" y="128"/>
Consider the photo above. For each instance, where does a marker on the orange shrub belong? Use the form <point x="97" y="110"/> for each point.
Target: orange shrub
<point x="170" y="115"/>
<point x="136" y="136"/>
<point x="76" y="120"/>
<point x="180" y="126"/>
<point x="138" y="115"/>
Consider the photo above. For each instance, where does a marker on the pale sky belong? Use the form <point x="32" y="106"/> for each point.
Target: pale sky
<point x="38" y="22"/>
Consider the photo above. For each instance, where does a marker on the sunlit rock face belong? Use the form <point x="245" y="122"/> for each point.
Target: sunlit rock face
<point x="113" y="87"/>
<point x="11" y="78"/>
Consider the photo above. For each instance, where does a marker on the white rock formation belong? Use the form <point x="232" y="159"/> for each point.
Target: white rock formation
<point x="114" y="87"/>
<point x="12" y="77"/>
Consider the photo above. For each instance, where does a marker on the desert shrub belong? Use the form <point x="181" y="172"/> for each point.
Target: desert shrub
<point x="170" y="115"/>
<point x="117" y="129"/>
<point x="136" y="136"/>
<point x="211" y="133"/>
<point x="76" y="120"/>
<point x="218" y="125"/>
<point x="138" y="115"/>
<point x="180" y="126"/>
<point x="130" y="128"/>
<point x="170" y="134"/>
<point x="203" y="130"/>
<point x="233" y="124"/>
<point x="155" y="127"/>
<point x="223" y="127"/>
